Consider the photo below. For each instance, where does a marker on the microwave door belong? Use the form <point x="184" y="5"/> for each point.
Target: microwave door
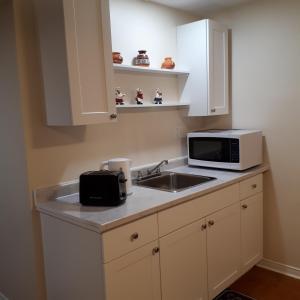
<point x="210" y="149"/>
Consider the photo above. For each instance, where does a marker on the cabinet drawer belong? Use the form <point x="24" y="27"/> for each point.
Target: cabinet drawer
<point x="186" y="213"/>
<point x="124" y="239"/>
<point x="251" y="186"/>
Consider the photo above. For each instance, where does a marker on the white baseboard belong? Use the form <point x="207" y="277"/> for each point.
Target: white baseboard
<point x="280" y="268"/>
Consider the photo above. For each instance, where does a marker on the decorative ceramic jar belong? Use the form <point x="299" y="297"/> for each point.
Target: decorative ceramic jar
<point x="117" y="58"/>
<point x="142" y="59"/>
<point x="168" y="63"/>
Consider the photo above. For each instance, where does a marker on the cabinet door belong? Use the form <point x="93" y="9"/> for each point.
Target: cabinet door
<point x="206" y="88"/>
<point x="183" y="263"/>
<point x="223" y="248"/>
<point x="75" y="44"/>
<point x="218" y="69"/>
<point x="134" y="276"/>
<point x="88" y="40"/>
<point x="252" y="231"/>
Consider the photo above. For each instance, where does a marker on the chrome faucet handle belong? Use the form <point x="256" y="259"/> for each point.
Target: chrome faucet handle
<point x="156" y="171"/>
<point x="157" y="167"/>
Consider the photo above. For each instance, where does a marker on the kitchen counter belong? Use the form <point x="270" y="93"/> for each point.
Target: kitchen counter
<point x="142" y="202"/>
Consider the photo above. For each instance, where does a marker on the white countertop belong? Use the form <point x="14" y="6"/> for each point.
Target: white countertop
<point x="143" y="201"/>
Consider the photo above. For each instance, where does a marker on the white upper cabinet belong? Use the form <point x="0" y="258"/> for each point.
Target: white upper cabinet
<point x="203" y="49"/>
<point x="75" y="43"/>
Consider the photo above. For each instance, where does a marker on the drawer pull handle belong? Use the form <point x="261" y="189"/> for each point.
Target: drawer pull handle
<point x="113" y="116"/>
<point x="254" y="186"/>
<point x="244" y="206"/>
<point x="134" y="236"/>
<point x="155" y="250"/>
<point x="211" y="223"/>
<point x="213" y="110"/>
<point x="203" y="227"/>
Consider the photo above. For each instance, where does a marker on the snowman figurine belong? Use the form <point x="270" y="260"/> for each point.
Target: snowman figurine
<point x="139" y="96"/>
<point x="158" y="97"/>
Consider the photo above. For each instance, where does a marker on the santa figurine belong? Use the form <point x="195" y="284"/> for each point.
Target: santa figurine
<point x="139" y="96"/>
<point x="119" y="96"/>
<point x="158" y="97"/>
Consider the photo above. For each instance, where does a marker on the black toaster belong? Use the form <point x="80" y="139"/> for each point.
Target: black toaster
<point x="102" y="188"/>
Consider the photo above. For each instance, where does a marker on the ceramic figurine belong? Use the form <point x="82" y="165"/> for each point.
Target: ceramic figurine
<point x="117" y="58"/>
<point x="158" y="97"/>
<point x="142" y="60"/>
<point x="168" y="63"/>
<point x="139" y="96"/>
<point x="119" y="96"/>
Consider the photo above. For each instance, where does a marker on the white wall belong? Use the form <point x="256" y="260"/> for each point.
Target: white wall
<point x="17" y="257"/>
<point x="266" y="95"/>
<point x="138" y="25"/>
<point x="56" y="154"/>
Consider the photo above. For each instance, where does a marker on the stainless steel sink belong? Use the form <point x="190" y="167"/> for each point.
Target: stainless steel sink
<point x="173" y="182"/>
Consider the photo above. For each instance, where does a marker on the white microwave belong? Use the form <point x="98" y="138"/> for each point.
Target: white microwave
<point x="225" y="149"/>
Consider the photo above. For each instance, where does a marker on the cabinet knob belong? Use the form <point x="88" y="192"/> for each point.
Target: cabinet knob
<point x="113" y="116"/>
<point x="155" y="250"/>
<point x="254" y="186"/>
<point x="244" y="206"/>
<point x="213" y="110"/>
<point x="134" y="236"/>
<point x="211" y="222"/>
<point x="203" y="227"/>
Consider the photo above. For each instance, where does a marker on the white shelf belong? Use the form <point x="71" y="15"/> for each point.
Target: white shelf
<point x="145" y="105"/>
<point x="128" y="68"/>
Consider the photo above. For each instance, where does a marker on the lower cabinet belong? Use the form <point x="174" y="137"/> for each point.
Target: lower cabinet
<point x="252" y="233"/>
<point x="198" y="260"/>
<point x="183" y="263"/>
<point x="194" y="259"/>
<point x="135" y="276"/>
<point x="223" y="248"/>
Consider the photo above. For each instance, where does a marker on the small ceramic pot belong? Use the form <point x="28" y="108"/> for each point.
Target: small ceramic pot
<point x="142" y="59"/>
<point x="168" y="63"/>
<point x="117" y="58"/>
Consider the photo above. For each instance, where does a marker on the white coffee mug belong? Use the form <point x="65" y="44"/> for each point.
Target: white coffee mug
<point x="120" y="164"/>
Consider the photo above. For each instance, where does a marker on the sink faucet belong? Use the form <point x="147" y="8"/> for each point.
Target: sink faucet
<point x="157" y="168"/>
<point x="150" y="172"/>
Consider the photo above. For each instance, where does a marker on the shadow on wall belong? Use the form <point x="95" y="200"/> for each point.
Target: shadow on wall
<point x="18" y="277"/>
<point x="271" y="213"/>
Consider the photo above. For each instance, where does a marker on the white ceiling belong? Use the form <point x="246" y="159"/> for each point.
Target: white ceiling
<point x="200" y="7"/>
